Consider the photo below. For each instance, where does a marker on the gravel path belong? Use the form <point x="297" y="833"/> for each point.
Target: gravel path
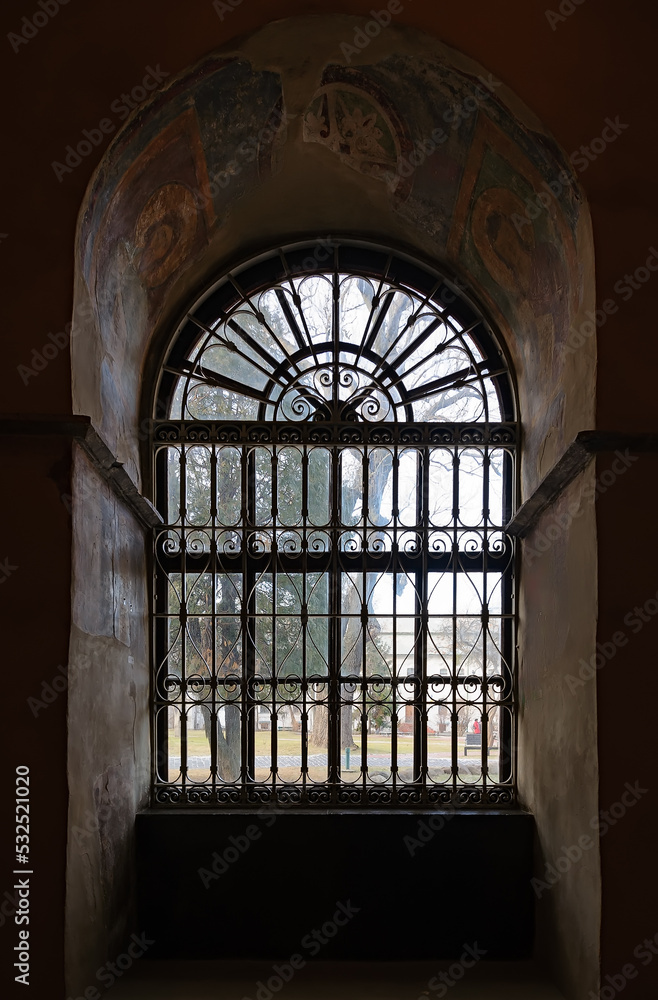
<point x="467" y="765"/>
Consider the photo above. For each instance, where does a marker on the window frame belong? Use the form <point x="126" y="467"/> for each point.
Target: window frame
<point x="407" y="272"/>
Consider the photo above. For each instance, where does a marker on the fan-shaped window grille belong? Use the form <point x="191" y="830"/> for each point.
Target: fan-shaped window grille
<point x="334" y="619"/>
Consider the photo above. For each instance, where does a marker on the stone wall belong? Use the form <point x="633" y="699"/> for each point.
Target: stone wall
<point x="108" y="722"/>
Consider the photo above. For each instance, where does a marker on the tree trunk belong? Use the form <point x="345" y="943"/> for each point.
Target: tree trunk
<point x="317" y="737"/>
<point x="351" y="664"/>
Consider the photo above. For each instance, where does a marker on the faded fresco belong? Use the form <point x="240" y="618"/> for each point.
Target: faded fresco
<point x="175" y="178"/>
<point x="450" y="155"/>
<point x="456" y="167"/>
<point x="459" y="167"/>
<point x="357" y="120"/>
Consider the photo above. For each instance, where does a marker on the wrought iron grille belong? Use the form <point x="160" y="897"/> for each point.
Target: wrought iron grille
<point x="333" y="603"/>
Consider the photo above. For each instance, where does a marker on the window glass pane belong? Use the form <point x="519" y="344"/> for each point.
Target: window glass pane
<point x="333" y="602"/>
<point x="263" y="485"/>
<point x="441" y="480"/>
<point x="380" y="486"/>
<point x="289" y="741"/>
<point x="356" y="296"/>
<point x="316" y="296"/>
<point x="229" y="485"/>
<point x="207" y="402"/>
<point x="351" y="471"/>
<point x="319" y="486"/>
<point x="229" y="736"/>
<point x="289" y="480"/>
<point x="276" y="335"/>
<point x="317" y="630"/>
<point x="496" y="486"/>
<point x="198" y="744"/>
<point x="173" y="474"/>
<point x="395" y="310"/>
<point x="245" y="367"/>
<point x="471" y="486"/>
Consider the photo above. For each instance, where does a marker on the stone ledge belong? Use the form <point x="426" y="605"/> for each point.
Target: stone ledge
<point x="585" y="446"/>
<point x="80" y="429"/>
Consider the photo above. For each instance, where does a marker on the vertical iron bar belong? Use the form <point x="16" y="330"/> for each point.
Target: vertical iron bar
<point x="247" y="621"/>
<point x="335" y="690"/>
<point x="275" y="621"/>
<point x="183" y="717"/>
<point x="333" y="679"/>
<point x="162" y="619"/>
<point x="507" y="726"/>
<point x="305" y="621"/>
<point x="423" y="464"/>
<point x="214" y="710"/>
<point x="484" y="726"/>
<point x="455" y="569"/>
<point x="395" y="516"/>
<point x="365" y="623"/>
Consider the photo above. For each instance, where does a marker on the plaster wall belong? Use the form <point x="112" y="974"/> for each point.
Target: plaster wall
<point x="557" y="752"/>
<point x="108" y="745"/>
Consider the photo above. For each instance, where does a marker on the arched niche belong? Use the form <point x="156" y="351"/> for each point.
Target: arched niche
<point x="411" y="143"/>
<point x="405" y="143"/>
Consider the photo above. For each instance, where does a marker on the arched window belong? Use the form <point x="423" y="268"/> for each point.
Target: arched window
<point x="333" y="607"/>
